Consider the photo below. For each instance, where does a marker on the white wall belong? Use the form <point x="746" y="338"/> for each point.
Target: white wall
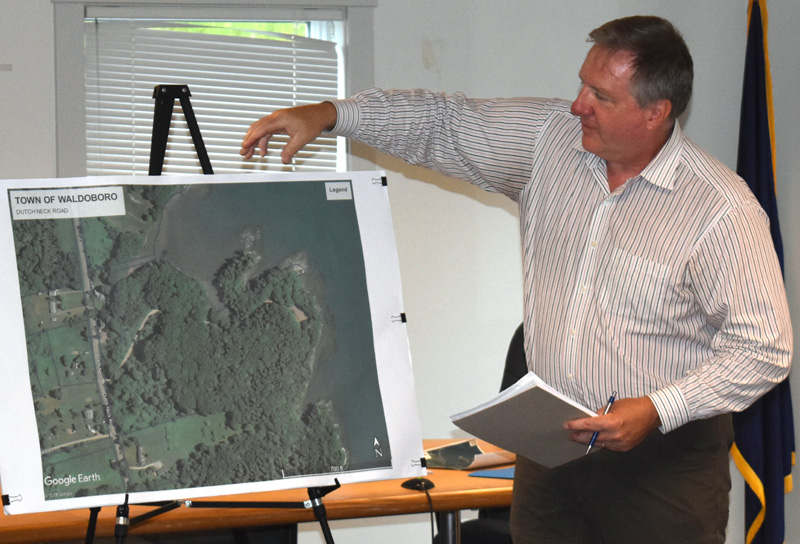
<point x="27" y="89"/>
<point x="459" y="247"/>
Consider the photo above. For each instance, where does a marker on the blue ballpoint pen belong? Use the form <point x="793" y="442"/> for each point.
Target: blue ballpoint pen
<point x="608" y="407"/>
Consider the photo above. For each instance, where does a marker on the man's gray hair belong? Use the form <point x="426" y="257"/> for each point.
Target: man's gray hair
<point x="663" y="67"/>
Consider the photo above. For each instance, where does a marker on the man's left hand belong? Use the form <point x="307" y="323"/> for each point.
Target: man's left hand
<point x="627" y="423"/>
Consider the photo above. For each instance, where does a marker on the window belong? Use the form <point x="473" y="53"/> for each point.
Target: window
<point x="239" y="64"/>
<point x="235" y="73"/>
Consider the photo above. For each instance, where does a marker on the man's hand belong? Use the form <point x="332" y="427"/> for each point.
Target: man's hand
<point x="303" y="124"/>
<point x="622" y="429"/>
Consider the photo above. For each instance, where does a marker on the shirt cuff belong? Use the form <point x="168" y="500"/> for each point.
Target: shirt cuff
<point x="671" y="407"/>
<point x="347" y="117"/>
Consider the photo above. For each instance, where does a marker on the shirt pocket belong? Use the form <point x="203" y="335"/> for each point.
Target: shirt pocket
<point x="633" y="287"/>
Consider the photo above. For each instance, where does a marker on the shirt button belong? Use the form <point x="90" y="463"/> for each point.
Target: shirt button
<point x="570" y="377"/>
<point x="573" y="332"/>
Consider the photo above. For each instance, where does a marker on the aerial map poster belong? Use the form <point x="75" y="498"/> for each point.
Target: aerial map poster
<point x="175" y="337"/>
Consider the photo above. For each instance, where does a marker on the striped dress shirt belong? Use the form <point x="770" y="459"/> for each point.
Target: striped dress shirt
<point x="667" y="287"/>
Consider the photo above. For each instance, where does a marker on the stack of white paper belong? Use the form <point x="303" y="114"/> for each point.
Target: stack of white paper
<point x="527" y="419"/>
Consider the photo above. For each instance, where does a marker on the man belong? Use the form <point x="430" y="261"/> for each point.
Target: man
<point x="648" y="270"/>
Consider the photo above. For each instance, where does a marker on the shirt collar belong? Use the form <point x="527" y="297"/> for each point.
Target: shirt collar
<point x="660" y="171"/>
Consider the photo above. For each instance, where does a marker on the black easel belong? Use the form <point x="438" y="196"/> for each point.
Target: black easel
<point x="165" y="96"/>
<point x="123" y="522"/>
<point x="315" y="495"/>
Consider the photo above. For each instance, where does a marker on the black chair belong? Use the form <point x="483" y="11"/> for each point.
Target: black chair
<point x="491" y="525"/>
<point x="516" y="364"/>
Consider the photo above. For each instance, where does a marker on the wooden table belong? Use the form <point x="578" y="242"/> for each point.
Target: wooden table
<point x="454" y="491"/>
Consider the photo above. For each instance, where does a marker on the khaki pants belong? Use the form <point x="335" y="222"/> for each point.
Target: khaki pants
<point x="670" y="489"/>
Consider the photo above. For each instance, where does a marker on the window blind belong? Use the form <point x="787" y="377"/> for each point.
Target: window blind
<point x="234" y="80"/>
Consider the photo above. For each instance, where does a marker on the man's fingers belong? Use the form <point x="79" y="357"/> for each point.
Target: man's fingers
<point x="263" y="143"/>
<point x="288" y="152"/>
<point x="303" y="124"/>
<point x="258" y="135"/>
<point x="622" y="429"/>
<point x="582" y="437"/>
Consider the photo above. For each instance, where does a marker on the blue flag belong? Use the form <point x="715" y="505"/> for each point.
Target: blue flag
<point x="764" y="445"/>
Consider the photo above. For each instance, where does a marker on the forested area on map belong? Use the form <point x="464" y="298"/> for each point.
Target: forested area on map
<point x="46" y="256"/>
<point x="250" y="361"/>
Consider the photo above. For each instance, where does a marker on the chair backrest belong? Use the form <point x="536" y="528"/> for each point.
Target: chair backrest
<point x="516" y="364"/>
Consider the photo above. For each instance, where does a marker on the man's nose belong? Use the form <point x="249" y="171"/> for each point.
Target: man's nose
<point x="579" y="106"/>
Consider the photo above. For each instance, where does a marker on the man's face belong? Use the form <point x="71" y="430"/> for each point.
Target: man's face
<point x="613" y="124"/>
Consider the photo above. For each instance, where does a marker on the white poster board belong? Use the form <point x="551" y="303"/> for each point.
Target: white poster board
<point x="175" y="337"/>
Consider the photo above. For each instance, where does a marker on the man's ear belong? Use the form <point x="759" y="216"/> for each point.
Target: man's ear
<point x="658" y="113"/>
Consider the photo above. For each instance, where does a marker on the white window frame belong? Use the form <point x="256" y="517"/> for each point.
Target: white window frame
<point x="69" y="18"/>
